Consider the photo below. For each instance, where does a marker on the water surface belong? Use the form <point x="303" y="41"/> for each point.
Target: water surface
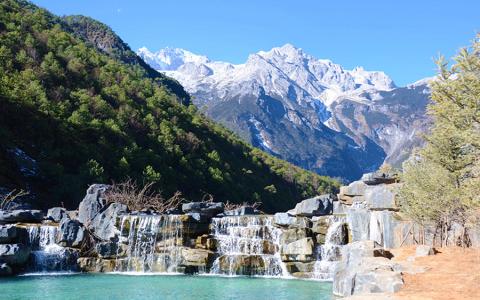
<point x="112" y="286"/>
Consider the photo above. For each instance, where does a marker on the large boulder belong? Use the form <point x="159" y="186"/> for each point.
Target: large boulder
<point x="365" y="269"/>
<point x="93" y="202"/>
<point x="110" y="249"/>
<point x="56" y="214"/>
<point x="316" y="206"/>
<point x="103" y="225"/>
<point x="209" y="209"/>
<point x="71" y="233"/>
<point x="286" y="220"/>
<point x="356" y="188"/>
<point x="359" y="223"/>
<point x="20" y="215"/>
<point x="379" y="178"/>
<point x="14" y="254"/>
<point x="196" y="257"/>
<point x="11" y="233"/>
<point x="381" y="197"/>
<point x="301" y="250"/>
<point x="242" y="211"/>
<point x="424" y="250"/>
<point x="294" y="234"/>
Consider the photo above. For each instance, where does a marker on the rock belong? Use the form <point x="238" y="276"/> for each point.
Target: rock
<point x="356" y="188"/>
<point x="377" y="281"/>
<point x="294" y="234"/>
<point x="5" y="270"/>
<point x="381" y="197"/>
<point x="241" y="211"/>
<point x="103" y="225"/>
<point x="378" y="178"/>
<point x="285" y="220"/>
<point x="11" y="233"/>
<point x="209" y="209"/>
<point x="14" y="254"/>
<point x="199" y="217"/>
<point x="56" y="214"/>
<point x="196" y="257"/>
<point x="71" y="233"/>
<point x="93" y="264"/>
<point x="206" y="241"/>
<point x="299" y="267"/>
<point x="110" y="249"/>
<point x="19" y="215"/>
<point x="92" y="203"/>
<point x="317" y="206"/>
<point x="382" y="228"/>
<point x="359" y="223"/>
<point x="301" y="250"/>
<point x="424" y="250"/>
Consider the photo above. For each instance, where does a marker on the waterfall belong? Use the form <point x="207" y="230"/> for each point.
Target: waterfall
<point x="152" y="243"/>
<point x="247" y="245"/>
<point x="47" y="255"/>
<point x="329" y="253"/>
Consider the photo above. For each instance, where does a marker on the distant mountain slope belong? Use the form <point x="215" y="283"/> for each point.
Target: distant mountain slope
<point x="309" y="111"/>
<point x="72" y="115"/>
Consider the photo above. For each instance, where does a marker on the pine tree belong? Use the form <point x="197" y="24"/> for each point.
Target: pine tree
<point x="442" y="180"/>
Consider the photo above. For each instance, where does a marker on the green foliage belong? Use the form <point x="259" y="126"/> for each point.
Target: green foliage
<point x="441" y="181"/>
<point x="87" y="115"/>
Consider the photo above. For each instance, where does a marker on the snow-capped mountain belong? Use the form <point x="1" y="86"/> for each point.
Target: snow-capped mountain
<point x="309" y="111"/>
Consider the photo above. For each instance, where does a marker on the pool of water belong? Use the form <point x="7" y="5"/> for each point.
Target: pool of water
<point x="113" y="286"/>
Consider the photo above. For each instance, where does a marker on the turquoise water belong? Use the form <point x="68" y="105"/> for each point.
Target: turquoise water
<point x="108" y="286"/>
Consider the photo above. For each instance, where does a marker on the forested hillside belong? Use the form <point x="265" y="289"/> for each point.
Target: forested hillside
<point x="73" y="113"/>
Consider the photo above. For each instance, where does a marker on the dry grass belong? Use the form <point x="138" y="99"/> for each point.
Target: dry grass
<point x="138" y="198"/>
<point x="11" y="196"/>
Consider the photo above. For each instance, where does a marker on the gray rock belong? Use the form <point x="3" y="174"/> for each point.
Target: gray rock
<point x="56" y="214"/>
<point x="19" y="215"/>
<point x="359" y="222"/>
<point x="103" y="225"/>
<point x="11" y="233"/>
<point x="206" y="208"/>
<point x="109" y="249"/>
<point x="285" y="220"/>
<point x="356" y="188"/>
<point x="5" y="270"/>
<point x="382" y="228"/>
<point x="300" y="247"/>
<point x="71" y="233"/>
<point x="378" y="178"/>
<point x="377" y="281"/>
<point x="92" y="203"/>
<point x="242" y="211"/>
<point x="317" y="206"/>
<point x="293" y="234"/>
<point x="381" y="197"/>
<point x="424" y="250"/>
<point x="14" y="254"/>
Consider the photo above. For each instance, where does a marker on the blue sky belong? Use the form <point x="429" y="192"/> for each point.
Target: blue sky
<point x="398" y="37"/>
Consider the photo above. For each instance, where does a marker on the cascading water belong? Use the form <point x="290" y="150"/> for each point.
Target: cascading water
<point x="329" y="253"/>
<point x="152" y="243"/>
<point x="47" y="255"/>
<point x="247" y="245"/>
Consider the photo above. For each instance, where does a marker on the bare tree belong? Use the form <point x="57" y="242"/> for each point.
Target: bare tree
<point x="11" y="196"/>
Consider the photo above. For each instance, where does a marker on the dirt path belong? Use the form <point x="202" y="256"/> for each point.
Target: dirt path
<point x="453" y="273"/>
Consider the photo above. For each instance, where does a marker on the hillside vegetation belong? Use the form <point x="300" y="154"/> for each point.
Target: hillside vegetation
<point x="75" y="112"/>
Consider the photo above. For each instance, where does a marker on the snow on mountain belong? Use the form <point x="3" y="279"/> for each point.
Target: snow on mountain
<point x="309" y="111"/>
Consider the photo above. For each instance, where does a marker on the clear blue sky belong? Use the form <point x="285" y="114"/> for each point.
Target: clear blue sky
<point x="398" y="37"/>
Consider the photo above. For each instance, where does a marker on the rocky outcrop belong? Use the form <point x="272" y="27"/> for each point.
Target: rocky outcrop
<point x="11" y="233"/>
<point x="364" y="269"/>
<point x="299" y="250"/>
<point x="316" y="206"/>
<point x="92" y="203"/>
<point x="14" y="254"/>
<point x="20" y="215"/>
<point x="208" y="209"/>
<point x="71" y="233"/>
<point x="104" y="223"/>
<point x="56" y="214"/>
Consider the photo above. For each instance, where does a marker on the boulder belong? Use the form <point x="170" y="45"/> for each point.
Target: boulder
<point x="11" y="233"/>
<point x="359" y="223"/>
<point x="381" y="197"/>
<point x="285" y="220"/>
<point x="71" y="233"/>
<point x="5" y="270"/>
<point x="103" y="225"/>
<point x="301" y="250"/>
<point x="20" y="215"/>
<point x="294" y="234"/>
<point x="14" y="254"/>
<point x="196" y="257"/>
<point x="92" y="203"/>
<point x="110" y="249"/>
<point x="356" y="188"/>
<point x="378" y="178"/>
<point x="56" y="214"/>
<point x="209" y="209"/>
<point x="317" y="206"/>
<point x="94" y="264"/>
<point x="424" y="250"/>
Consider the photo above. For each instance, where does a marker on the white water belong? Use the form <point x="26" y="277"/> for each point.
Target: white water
<point x="247" y="245"/>
<point x="329" y="253"/>
<point x="47" y="255"/>
<point x="152" y="244"/>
